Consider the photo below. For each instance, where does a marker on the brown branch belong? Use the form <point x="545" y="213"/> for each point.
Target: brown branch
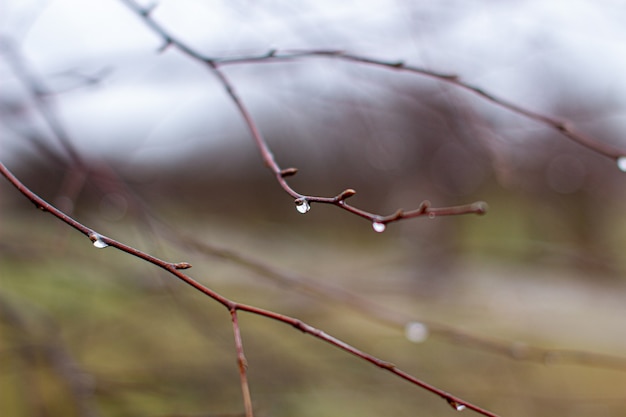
<point x="562" y="126"/>
<point x="302" y="201"/>
<point x="243" y="365"/>
<point x="75" y="180"/>
<point x="101" y="241"/>
<point x="328" y="292"/>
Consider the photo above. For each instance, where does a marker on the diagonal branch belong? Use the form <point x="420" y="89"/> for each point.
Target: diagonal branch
<point x="562" y="126"/>
<point x="100" y="241"/>
<point x="303" y="202"/>
<point x="325" y="291"/>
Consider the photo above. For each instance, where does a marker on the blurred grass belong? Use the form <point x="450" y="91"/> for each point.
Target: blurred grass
<point x="151" y="346"/>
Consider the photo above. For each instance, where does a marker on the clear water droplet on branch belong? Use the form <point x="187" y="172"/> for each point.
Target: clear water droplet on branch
<point x="97" y="241"/>
<point x="302" y="205"/>
<point x="431" y="215"/>
<point x="621" y="163"/>
<point x="456" y="405"/>
<point x="379" y="227"/>
<point x="416" y="332"/>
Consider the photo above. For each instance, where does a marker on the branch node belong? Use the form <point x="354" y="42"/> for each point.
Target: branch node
<point x="146" y="12"/>
<point x="397" y="215"/>
<point x="424" y="206"/>
<point x="562" y="126"/>
<point x="182" y="265"/>
<point x="347" y="193"/>
<point x="455" y="404"/>
<point x="288" y="172"/>
<point x="166" y="44"/>
<point x="298" y="324"/>
<point x="97" y="239"/>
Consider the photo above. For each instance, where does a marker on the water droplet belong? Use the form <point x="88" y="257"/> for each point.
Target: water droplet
<point x="97" y="241"/>
<point x="302" y="205"/>
<point x="379" y="227"/>
<point x="416" y="332"/>
<point x="621" y="163"/>
<point x="431" y="215"/>
<point x="456" y="405"/>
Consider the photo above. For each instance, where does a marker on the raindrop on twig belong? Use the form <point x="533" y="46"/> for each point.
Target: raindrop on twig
<point x="621" y="163"/>
<point x="456" y="405"/>
<point x="379" y="227"/>
<point x="97" y="241"/>
<point x="302" y="205"/>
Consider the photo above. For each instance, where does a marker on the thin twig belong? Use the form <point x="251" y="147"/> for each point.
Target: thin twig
<point x="562" y="126"/>
<point x="325" y="291"/>
<point x="175" y="269"/>
<point x="76" y="178"/>
<point x="302" y="201"/>
<point x="243" y="365"/>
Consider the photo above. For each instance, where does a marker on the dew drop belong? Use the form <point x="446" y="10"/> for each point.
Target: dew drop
<point x="456" y="405"/>
<point x="302" y="205"/>
<point x="379" y="227"/>
<point x="621" y="163"/>
<point x="431" y="215"/>
<point x="416" y="332"/>
<point x="97" y="241"/>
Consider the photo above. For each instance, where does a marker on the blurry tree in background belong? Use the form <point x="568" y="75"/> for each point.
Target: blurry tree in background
<point x="123" y="128"/>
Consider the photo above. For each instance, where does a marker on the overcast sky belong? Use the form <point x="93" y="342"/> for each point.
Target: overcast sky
<point x="513" y="48"/>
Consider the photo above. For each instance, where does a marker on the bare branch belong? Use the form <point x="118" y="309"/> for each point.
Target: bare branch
<point x="243" y="365"/>
<point x="101" y="241"/>
<point x="562" y="126"/>
<point x="303" y="202"/>
<point x="325" y="291"/>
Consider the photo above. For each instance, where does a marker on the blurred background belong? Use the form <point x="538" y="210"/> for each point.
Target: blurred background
<point x="519" y="311"/>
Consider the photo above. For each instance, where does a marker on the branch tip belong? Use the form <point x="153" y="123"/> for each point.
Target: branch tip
<point x="480" y="207"/>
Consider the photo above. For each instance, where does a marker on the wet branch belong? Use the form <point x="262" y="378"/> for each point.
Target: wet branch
<point x="325" y="291"/>
<point x="562" y="126"/>
<point x="303" y="201"/>
<point x="101" y="241"/>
